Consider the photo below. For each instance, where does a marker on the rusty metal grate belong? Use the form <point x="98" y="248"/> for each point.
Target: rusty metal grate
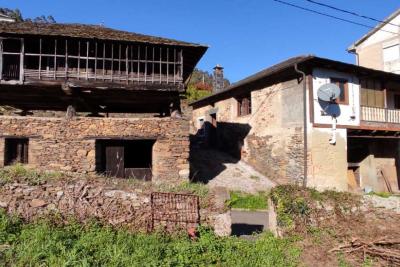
<point x="171" y="211"/>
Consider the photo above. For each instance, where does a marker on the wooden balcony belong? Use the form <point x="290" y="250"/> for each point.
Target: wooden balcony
<point x="383" y="115"/>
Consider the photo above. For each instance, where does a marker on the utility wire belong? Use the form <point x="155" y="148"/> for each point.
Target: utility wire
<point x="351" y="12"/>
<point x="330" y="16"/>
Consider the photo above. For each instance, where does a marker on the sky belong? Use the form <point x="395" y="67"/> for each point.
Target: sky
<point x="244" y="36"/>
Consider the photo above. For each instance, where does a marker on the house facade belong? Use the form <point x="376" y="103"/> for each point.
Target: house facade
<point x="275" y="121"/>
<point x="90" y="99"/>
<point x="380" y="48"/>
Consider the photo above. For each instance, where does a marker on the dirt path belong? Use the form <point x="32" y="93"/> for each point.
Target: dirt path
<point x="219" y="169"/>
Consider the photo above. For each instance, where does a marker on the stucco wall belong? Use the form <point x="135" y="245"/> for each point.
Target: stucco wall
<point x="327" y="162"/>
<point x="69" y="145"/>
<point x="271" y="138"/>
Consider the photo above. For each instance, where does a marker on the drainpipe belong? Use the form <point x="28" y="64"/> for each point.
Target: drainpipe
<point x="354" y="52"/>
<point x="305" y="122"/>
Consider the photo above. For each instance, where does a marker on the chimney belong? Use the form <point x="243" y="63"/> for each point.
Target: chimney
<point x="218" y="79"/>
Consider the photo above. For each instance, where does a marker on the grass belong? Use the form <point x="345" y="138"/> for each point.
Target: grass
<point x="45" y="243"/>
<point x="241" y="200"/>
<point x="19" y="173"/>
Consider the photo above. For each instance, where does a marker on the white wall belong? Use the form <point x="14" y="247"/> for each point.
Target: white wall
<point x="321" y="77"/>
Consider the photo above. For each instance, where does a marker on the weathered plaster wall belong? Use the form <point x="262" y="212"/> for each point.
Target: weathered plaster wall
<point x="69" y="145"/>
<point x="327" y="163"/>
<point x="271" y="138"/>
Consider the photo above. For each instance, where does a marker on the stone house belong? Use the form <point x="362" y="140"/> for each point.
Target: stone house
<point x="275" y="121"/>
<point x="90" y="99"/>
<point x="380" y="48"/>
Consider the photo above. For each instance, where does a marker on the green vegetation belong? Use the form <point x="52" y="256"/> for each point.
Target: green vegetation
<point x="47" y="243"/>
<point x="383" y="194"/>
<point x="19" y="173"/>
<point x="193" y="93"/>
<point x="295" y="203"/>
<point x="240" y="200"/>
<point x="199" y="189"/>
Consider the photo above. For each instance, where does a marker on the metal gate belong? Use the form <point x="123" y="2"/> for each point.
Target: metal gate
<point x="171" y="211"/>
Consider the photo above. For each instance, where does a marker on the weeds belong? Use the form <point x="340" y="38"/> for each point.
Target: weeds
<point x="241" y="200"/>
<point x="19" y="173"/>
<point x="73" y="244"/>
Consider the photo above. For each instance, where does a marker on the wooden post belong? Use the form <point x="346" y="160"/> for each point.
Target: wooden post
<point x="104" y="60"/>
<point x="174" y="65"/>
<point x="145" y="64"/>
<point x="95" y="60"/>
<point x="79" y="59"/>
<point x="167" y="65"/>
<point x="55" y="59"/>
<point x="40" y="57"/>
<point x="181" y="62"/>
<point x="138" y="63"/>
<point x="152" y="66"/>
<point x="87" y="60"/>
<point x="66" y="59"/>
<point x="1" y="59"/>
<point x="160" y="65"/>
<point x="112" y="60"/>
<point x="127" y="63"/>
<point x="21" y="61"/>
<point x="119" y="62"/>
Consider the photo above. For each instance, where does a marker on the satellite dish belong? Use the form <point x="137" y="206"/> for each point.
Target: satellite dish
<point x="328" y="92"/>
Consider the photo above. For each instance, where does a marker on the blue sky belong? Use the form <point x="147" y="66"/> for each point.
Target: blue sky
<point x="244" y="36"/>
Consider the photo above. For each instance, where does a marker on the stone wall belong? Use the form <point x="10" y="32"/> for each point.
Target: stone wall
<point x="271" y="138"/>
<point x="69" y="145"/>
<point x="110" y="202"/>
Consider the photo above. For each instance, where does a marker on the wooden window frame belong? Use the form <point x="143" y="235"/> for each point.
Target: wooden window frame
<point x="239" y="101"/>
<point x="346" y="90"/>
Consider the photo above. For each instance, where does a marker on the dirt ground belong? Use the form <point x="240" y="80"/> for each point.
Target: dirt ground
<point x="368" y="224"/>
<point x="219" y="169"/>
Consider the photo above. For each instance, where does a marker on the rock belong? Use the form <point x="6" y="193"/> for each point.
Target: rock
<point x="222" y="224"/>
<point x="3" y="204"/>
<point x="36" y="203"/>
<point x="184" y="174"/>
<point x="221" y="195"/>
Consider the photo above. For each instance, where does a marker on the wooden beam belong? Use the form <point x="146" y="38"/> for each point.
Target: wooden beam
<point x="40" y="57"/>
<point x="55" y="59"/>
<point x="87" y="60"/>
<point x="21" y="61"/>
<point x="66" y="58"/>
<point x="79" y="59"/>
<point x="1" y="58"/>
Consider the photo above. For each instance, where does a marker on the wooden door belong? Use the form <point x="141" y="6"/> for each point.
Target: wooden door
<point x="115" y="160"/>
<point x="213" y="131"/>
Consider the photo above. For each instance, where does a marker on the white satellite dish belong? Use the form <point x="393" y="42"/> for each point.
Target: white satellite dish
<point x="328" y="92"/>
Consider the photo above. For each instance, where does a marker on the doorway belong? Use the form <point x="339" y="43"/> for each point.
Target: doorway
<point x="213" y="142"/>
<point x="125" y="158"/>
<point x="11" y="58"/>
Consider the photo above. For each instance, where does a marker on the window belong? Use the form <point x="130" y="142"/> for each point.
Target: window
<point x="372" y="94"/>
<point x="16" y="151"/>
<point x="344" y="90"/>
<point x="391" y="53"/>
<point x="244" y="105"/>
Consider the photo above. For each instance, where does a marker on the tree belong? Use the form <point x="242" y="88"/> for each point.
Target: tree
<point x="201" y="85"/>
<point x="17" y="16"/>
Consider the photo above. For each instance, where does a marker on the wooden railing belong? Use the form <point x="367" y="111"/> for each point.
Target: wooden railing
<point x="376" y="114"/>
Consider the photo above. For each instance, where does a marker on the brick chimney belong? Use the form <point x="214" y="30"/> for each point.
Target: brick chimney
<point x="218" y="79"/>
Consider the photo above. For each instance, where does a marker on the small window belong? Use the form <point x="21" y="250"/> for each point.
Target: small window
<point x="391" y="53"/>
<point x="344" y="90"/>
<point x="16" y="151"/>
<point x="244" y="105"/>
